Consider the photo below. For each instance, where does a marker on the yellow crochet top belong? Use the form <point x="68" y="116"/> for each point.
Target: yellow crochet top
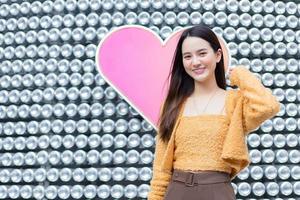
<point x="211" y="141"/>
<point x="200" y="138"/>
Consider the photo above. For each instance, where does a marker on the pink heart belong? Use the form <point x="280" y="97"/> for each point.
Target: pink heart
<point x="135" y="61"/>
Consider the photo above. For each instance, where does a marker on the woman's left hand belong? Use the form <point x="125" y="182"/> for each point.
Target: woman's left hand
<point x="230" y="70"/>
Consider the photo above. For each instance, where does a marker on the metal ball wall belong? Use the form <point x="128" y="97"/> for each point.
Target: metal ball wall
<point x="66" y="134"/>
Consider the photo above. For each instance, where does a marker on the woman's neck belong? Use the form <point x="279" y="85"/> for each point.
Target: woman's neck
<point x="205" y="88"/>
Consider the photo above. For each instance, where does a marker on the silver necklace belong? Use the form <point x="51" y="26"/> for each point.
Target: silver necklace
<point x="206" y="104"/>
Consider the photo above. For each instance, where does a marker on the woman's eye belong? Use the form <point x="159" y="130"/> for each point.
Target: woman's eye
<point x="203" y="53"/>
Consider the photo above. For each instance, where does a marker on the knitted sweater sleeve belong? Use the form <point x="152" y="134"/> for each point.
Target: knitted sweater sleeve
<point x="259" y="104"/>
<point x="160" y="179"/>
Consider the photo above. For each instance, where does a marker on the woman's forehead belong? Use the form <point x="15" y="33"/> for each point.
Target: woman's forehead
<point x="194" y="44"/>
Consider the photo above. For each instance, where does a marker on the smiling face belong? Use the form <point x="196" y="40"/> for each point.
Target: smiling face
<point x="199" y="59"/>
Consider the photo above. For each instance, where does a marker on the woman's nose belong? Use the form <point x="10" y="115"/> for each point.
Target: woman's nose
<point x="196" y="61"/>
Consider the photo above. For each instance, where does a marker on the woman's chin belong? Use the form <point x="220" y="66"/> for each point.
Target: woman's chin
<point x="200" y="77"/>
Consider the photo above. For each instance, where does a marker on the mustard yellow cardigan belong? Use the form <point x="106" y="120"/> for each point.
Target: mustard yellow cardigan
<point x="247" y="108"/>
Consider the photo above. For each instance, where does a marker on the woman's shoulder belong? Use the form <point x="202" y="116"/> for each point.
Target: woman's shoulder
<point x="234" y="94"/>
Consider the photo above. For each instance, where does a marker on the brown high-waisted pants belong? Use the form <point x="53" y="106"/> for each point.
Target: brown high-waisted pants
<point x="204" y="185"/>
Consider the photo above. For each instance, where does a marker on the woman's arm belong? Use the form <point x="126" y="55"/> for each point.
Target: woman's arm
<point x="259" y="104"/>
<point x="160" y="179"/>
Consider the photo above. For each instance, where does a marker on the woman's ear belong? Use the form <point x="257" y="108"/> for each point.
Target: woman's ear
<point x="219" y="55"/>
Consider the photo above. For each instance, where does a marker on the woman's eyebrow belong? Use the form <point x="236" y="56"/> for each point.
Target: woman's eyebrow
<point x="196" y="51"/>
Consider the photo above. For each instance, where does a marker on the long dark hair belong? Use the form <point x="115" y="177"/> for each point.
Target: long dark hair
<point x="181" y="84"/>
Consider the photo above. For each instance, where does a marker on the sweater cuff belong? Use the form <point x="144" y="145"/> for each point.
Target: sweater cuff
<point x="235" y="73"/>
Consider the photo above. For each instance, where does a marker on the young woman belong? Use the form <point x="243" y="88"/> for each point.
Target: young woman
<point x="200" y="144"/>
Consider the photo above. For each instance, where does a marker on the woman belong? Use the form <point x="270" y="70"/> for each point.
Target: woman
<point x="200" y="145"/>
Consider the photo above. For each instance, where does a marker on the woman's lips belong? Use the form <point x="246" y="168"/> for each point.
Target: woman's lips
<point x="199" y="71"/>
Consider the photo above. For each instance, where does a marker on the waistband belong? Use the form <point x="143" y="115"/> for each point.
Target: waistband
<point x="200" y="178"/>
